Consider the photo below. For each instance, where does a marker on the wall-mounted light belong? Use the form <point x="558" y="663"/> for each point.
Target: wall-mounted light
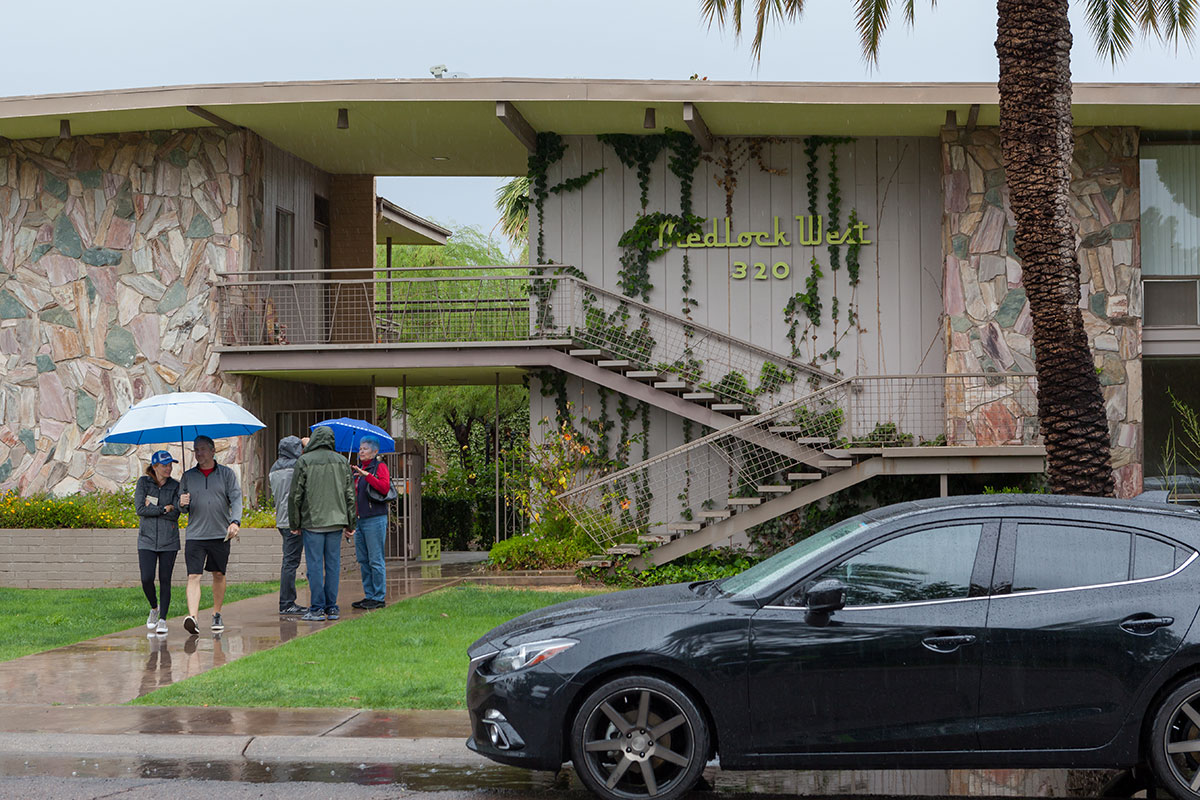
<point x="64" y="129"/>
<point x="649" y="122"/>
<point x="441" y="158"/>
<point x="343" y="118"/>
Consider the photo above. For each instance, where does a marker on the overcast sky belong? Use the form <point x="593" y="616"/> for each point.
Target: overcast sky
<point x="89" y="46"/>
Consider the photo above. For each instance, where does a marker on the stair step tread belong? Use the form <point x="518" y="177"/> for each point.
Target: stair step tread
<point x="585" y="352"/>
<point x="804" y="476"/>
<point x="613" y="363"/>
<point x="744" y="501"/>
<point x="642" y="374"/>
<point x="716" y="514"/>
<point x="835" y="463"/>
<point x="699" y="396"/>
<point x="799" y="429"/>
<point x="773" y="488"/>
<point x="728" y="407"/>
<point x="854" y="451"/>
<point x="596" y="561"/>
<point x="684" y="526"/>
<point x="669" y="385"/>
<point x="657" y="538"/>
<point x="623" y="550"/>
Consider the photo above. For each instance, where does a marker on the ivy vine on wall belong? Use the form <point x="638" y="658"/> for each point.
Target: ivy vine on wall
<point x="803" y="310"/>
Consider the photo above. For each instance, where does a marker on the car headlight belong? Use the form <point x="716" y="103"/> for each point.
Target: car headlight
<point x="512" y="659"/>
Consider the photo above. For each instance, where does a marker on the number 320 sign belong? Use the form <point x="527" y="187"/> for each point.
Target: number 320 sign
<point x="780" y="270"/>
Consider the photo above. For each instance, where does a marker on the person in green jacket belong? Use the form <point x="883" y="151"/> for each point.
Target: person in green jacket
<point x="321" y="507"/>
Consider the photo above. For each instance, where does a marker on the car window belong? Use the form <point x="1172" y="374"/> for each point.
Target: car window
<point x="931" y="564"/>
<point x="1152" y="557"/>
<point x="1064" y="556"/>
<point x="793" y="559"/>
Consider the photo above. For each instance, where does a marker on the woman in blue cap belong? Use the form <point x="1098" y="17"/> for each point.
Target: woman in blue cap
<point x="156" y="499"/>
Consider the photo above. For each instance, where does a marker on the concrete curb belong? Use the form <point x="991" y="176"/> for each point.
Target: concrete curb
<point x="449" y="752"/>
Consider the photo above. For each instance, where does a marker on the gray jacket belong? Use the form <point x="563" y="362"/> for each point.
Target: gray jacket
<point x="281" y="478"/>
<point x="158" y="530"/>
<point x="216" y="501"/>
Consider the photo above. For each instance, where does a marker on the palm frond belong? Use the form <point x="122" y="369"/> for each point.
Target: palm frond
<point x="1113" y="23"/>
<point x="512" y="201"/>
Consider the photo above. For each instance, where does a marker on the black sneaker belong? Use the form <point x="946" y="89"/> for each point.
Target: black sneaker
<point x="189" y="625"/>
<point x="218" y="623"/>
<point x="364" y="603"/>
<point x="292" y="609"/>
<point x="370" y="605"/>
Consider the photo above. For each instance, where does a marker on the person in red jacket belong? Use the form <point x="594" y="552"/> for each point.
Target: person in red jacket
<point x="372" y="523"/>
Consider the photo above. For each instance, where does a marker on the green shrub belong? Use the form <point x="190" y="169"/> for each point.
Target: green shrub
<point x="555" y="542"/>
<point x="702" y="565"/>
<point x="94" y="510"/>
<point x="459" y="508"/>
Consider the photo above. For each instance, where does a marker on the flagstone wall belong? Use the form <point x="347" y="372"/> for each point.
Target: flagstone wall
<point x="109" y="247"/>
<point x="987" y="322"/>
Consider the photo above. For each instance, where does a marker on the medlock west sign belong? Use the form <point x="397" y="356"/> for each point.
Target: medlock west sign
<point x="811" y="233"/>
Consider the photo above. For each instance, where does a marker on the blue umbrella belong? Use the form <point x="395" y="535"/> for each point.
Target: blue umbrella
<point x="348" y="433"/>
<point x="180" y="417"/>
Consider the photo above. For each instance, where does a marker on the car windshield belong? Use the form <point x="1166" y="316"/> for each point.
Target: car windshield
<point x="763" y="574"/>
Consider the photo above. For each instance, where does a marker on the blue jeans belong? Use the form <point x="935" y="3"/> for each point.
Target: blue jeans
<point x="323" y="554"/>
<point x="368" y="547"/>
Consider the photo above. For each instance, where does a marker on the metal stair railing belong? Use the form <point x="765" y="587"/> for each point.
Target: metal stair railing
<point x="696" y="481"/>
<point x="527" y="304"/>
<point x="707" y="359"/>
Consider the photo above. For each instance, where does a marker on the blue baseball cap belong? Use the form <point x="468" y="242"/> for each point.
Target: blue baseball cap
<point x="162" y="457"/>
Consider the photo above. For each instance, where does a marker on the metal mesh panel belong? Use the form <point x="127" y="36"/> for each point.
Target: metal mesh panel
<point x="801" y="441"/>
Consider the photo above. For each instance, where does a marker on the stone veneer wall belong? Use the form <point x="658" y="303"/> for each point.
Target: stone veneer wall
<point x="988" y="327"/>
<point x="108" y="249"/>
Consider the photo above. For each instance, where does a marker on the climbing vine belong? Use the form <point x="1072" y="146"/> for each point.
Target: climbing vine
<point x="803" y="310"/>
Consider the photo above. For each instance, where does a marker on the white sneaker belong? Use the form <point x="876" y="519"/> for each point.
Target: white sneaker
<point x="161" y="628"/>
<point x="152" y="620"/>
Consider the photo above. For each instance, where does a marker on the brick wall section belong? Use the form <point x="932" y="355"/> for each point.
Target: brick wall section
<point x="93" y="558"/>
<point x="352" y="248"/>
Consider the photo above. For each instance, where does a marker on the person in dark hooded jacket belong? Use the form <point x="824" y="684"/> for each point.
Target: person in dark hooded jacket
<point x="290" y="448"/>
<point x="321" y="504"/>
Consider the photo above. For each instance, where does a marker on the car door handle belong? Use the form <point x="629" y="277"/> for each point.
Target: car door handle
<point x="947" y="644"/>
<point x="1145" y="626"/>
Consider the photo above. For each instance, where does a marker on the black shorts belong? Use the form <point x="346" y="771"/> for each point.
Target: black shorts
<point x="206" y="554"/>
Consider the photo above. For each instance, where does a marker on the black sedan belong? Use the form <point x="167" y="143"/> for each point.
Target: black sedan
<point x="965" y="632"/>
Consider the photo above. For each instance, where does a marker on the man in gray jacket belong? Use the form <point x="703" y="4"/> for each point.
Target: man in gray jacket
<point x="290" y="448"/>
<point x="212" y="499"/>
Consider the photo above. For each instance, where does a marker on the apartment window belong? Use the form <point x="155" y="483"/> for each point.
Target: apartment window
<point x="285" y="238"/>
<point x="1170" y="232"/>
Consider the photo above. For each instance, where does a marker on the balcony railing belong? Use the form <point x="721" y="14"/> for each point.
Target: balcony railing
<point x="523" y="304"/>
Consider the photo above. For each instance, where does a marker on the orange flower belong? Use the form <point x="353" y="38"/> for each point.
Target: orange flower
<point x="625" y="505"/>
<point x="585" y="449"/>
<point x="567" y="436"/>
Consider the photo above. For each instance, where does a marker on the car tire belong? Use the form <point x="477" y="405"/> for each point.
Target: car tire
<point x="639" y="737"/>
<point x="1176" y="721"/>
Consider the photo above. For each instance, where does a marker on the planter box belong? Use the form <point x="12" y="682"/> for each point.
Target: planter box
<point x="87" y="558"/>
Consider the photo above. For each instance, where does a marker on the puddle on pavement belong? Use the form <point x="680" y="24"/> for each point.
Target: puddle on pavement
<point x="433" y="777"/>
<point x="430" y="777"/>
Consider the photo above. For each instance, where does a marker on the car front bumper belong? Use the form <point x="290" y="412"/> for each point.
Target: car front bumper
<point x="518" y="718"/>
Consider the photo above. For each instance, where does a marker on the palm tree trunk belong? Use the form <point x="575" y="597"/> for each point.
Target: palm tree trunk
<point x="1033" y="43"/>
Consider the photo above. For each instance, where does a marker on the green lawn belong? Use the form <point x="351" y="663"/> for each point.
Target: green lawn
<point x="412" y="654"/>
<point x="34" y="620"/>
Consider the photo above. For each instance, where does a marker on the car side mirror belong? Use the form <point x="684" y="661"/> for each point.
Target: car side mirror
<point x="823" y="598"/>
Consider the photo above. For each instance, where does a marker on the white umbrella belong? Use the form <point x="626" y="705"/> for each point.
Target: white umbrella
<point x="180" y="416"/>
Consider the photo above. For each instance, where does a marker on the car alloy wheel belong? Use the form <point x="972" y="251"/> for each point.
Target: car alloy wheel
<point x="639" y="737"/>
<point x="1175" y="741"/>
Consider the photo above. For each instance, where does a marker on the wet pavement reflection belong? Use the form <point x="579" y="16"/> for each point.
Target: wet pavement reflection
<point x="120" y="666"/>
